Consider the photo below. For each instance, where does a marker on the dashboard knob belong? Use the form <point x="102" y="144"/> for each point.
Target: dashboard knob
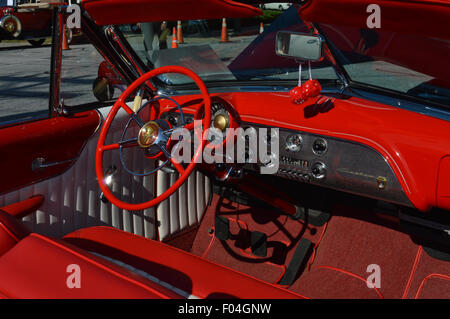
<point x="319" y="170"/>
<point x="319" y="146"/>
<point x="221" y="122"/>
<point x="173" y="119"/>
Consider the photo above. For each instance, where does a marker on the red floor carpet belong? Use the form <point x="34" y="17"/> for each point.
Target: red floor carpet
<point x="282" y="232"/>
<point x="345" y="247"/>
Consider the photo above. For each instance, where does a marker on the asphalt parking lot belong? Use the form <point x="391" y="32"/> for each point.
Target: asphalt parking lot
<point x="25" y="76"/>
<point x="25" y="71"/>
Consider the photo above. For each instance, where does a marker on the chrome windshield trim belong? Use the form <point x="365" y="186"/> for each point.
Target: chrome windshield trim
<point x="420" y="108"/>
<point x="416" y="107"/>
<point x="237" y="88"/>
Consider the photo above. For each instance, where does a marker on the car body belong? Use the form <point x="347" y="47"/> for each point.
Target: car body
<point x="28" y="20"/>
<point x="275" y="6"/>
<point x="310" y="159"/>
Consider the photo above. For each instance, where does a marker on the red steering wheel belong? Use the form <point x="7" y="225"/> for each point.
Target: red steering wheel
<point x="148" y="136"/>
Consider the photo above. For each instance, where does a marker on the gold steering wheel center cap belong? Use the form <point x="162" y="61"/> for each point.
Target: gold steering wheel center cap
<point x="148" y="134"/>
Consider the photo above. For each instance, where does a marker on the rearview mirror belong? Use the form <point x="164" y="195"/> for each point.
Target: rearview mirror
<point x="302" y="46"/>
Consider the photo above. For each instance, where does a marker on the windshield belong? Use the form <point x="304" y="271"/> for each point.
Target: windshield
<point x="248" y="55"/>
<point x="401" y="63"/>
<point x="409" y="64"/>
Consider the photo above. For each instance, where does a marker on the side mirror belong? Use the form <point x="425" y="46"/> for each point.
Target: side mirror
<point x="102" y="89"/>
<point x="302" y="46"/>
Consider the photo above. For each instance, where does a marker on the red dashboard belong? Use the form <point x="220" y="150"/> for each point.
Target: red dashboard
<point x="415" y="146"/>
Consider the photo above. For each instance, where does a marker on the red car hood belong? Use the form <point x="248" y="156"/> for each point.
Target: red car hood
<point x="424" y="17"/>
<point x="106" y="12"/>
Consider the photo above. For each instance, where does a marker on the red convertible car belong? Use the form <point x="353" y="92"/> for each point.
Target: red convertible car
<point x="308" y="160"/>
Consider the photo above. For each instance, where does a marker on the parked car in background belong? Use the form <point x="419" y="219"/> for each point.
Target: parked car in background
<point x="29" y="20"/>
<point x="275" y="6"/>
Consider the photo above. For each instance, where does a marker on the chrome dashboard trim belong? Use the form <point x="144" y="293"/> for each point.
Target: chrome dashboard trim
<point x="351" y="166"/>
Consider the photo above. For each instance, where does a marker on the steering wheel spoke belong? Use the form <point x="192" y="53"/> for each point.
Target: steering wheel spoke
<point x="132" y="114"/>
<point x="165" y="151"/>
<point x="109" y="147"/>
<point x="127" y="143"/>
<point x="177" y="166"/>
<point x="132" y="142"/>
<point x="172" y="159"/>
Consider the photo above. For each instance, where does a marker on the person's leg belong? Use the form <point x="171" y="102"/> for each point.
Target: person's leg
<point x="149" y="33"/>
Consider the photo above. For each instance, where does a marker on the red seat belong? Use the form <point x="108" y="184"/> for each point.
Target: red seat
<point x="37" y="267"/>
<point x="190" y="273"/>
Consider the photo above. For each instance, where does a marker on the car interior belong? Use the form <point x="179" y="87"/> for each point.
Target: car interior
<point x="348" y="199"/>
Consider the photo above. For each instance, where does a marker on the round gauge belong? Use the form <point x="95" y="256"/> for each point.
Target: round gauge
<point x="216" y="106"/>
<point x="294" y="143"/>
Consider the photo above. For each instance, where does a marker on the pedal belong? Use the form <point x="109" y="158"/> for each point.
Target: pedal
<point x="221" y="228"/>
<point x="258" y="243"/>
<point x="242" y="240"/>
<point x="318" y="218"/>
<point x="255" y="240"/>
<point x="311" y="216"/>
<point x="298" y="262"/>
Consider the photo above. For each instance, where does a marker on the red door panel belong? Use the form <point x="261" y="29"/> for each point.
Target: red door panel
<point x="56" y="140"/>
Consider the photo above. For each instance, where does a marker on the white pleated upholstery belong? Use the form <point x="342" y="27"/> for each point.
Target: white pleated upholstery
<point x="185" y="208"/>
<point x="72" y="199"/>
